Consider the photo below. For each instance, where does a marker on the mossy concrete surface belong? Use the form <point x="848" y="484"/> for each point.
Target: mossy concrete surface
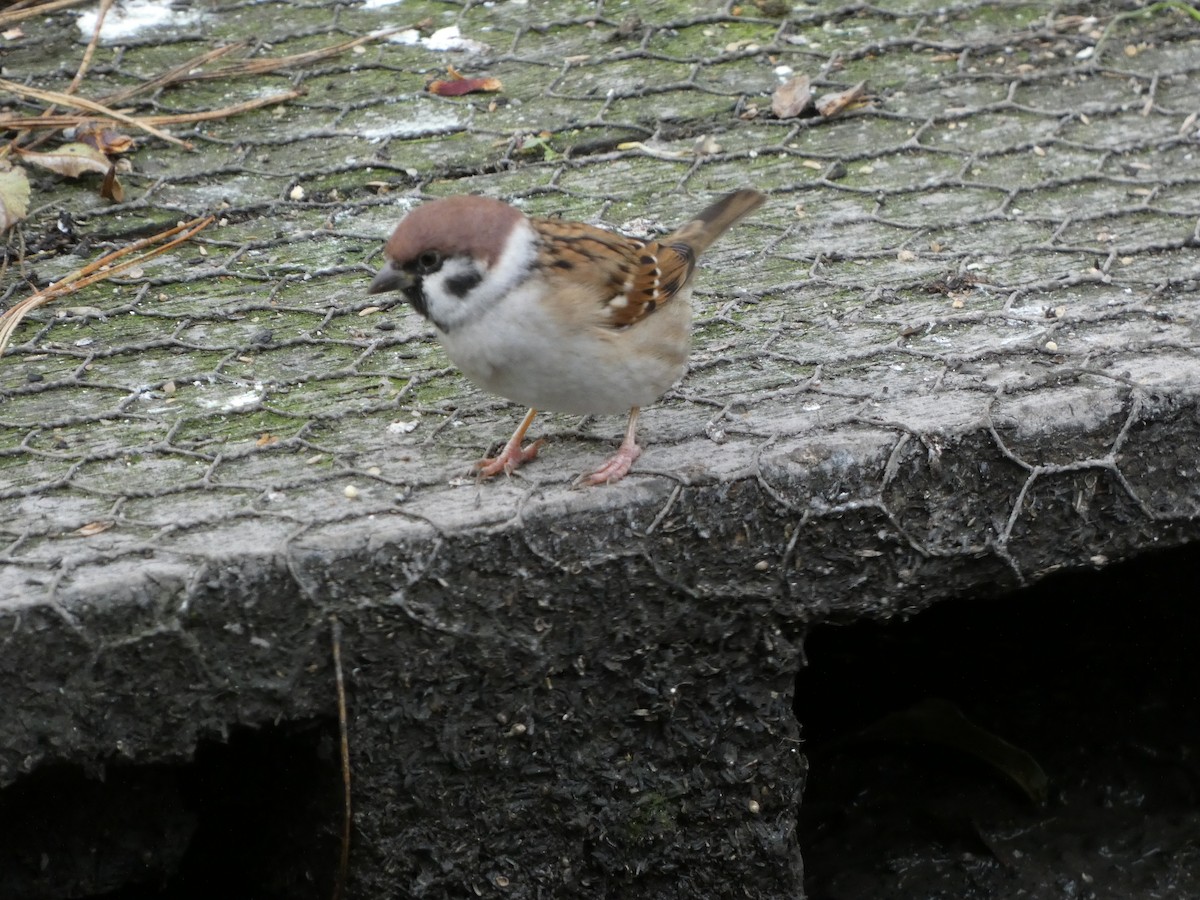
<point x="955" y="351"/>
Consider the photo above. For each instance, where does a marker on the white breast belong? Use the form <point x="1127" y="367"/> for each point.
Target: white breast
<point x="569" y="362"/>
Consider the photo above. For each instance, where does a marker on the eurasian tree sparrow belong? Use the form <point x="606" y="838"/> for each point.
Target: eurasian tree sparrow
<point x="555" y="315"/>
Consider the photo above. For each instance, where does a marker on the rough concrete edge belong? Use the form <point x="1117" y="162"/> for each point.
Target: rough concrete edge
<point x="812" y="492"/>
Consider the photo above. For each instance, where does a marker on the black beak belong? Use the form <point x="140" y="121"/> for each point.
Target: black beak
<point x="390" y="278"/>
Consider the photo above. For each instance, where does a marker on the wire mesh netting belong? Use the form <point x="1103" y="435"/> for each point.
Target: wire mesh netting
<point x="955" y="350"/>
<point x="1003" y="232"/>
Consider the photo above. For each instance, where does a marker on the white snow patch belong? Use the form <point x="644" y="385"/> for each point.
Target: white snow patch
<point x="427" y="123"/>
<point x="444" y="39"/>
<point x="132" y="18"/>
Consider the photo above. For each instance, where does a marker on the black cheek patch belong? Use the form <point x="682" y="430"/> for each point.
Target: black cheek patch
<point x="415" y="295"/>
<point x="461" y="285"/>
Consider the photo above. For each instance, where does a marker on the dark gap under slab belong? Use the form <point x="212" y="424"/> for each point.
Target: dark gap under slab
<point x="256" y="816"/>
<point x="1095" y="674"/>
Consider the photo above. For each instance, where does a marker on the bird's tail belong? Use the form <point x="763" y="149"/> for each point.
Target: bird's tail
<point x="715" y="220"/>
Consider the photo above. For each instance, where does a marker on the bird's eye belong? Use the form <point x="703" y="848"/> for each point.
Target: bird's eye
<point x="429" y="261"/>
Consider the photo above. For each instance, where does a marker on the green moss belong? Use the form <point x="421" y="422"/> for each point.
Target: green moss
<point x="707" y="40"/>
<point x="653" y="819"/>
<point x="233" y="427"/>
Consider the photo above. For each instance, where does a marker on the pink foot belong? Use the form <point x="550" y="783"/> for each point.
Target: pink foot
<point x="616" y="468"/>
<point x="512" y="455"/>
<point x="509" y="459"/>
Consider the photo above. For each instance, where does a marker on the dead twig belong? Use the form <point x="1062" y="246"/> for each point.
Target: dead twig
<point x="1147" y="11"/>
<point x="61" y="99"/>
<point x="30" y="123"/>
<point x="344" y="731"/>
<point x="225" y="111"/>
<point x="98" y="270"/>
<point x="19" y="15"/>
<point x="270" y="66"/>
<point x="181" y="74"/>
<point x="90" y="50"/>
<point x="172" y="76"/>
<point x="84" y="64"/>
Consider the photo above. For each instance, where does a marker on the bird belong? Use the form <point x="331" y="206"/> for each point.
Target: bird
<point x="555" y="315"/>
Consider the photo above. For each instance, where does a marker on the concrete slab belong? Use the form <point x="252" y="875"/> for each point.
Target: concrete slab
<point x="957" y="350"/>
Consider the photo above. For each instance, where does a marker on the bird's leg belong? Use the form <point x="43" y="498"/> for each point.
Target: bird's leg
<point x="512" y="455"/>
<point x="617" y="467"/>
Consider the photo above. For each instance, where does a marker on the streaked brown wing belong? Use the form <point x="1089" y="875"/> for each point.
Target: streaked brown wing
<point x="663" y="269"/>
<point x="632" y="277"/>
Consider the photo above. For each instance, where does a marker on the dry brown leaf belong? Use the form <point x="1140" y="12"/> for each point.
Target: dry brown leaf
<point x="939" y="723"/>
<point x="14" y="196"/>
<point x="96" y="527"/>
<point x="111" y="189"/>
<point x="69" y="160"/>
<point x="830" y="105"/>
<point x="266" y="439"/>
<point x="456" y="85"/>
<point x="630" y="26"/>
<point x="103" y="138"/>
<point x="791" y="98"/>
<point x="774" y="9"/>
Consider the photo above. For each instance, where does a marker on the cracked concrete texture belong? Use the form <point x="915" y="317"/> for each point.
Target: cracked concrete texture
<point x="956" y="350"/>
